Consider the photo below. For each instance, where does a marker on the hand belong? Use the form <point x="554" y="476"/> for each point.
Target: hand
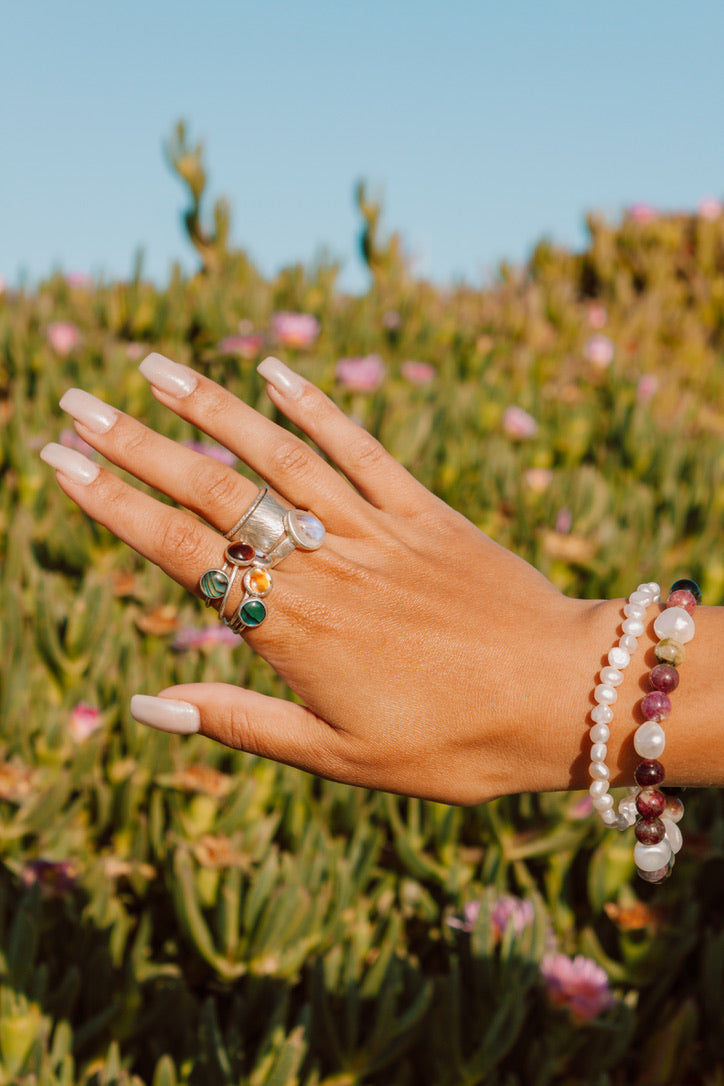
<point x="430" y="660"/>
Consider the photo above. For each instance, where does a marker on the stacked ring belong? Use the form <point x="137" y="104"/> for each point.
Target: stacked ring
<point x="216" y="584"/>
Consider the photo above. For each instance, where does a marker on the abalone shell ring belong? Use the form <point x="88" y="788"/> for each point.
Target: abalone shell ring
<point x="275" y="529"/>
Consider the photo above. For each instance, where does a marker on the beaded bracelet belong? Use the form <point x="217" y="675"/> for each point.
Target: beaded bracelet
<point x="658" y="837"/>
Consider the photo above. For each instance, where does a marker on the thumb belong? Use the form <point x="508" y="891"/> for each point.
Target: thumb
<point x="246" y="720"/>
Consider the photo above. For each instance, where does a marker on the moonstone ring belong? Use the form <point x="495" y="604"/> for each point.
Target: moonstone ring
<point x="275" y="530"/>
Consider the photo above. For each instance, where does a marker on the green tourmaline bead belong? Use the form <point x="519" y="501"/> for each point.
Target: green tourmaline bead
<point x="252" y="613"/>
<point x="670" y="651"/>
<point x="213" y="584"/>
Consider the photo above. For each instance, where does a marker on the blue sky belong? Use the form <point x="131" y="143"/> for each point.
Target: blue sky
<point x="484" y="126"/>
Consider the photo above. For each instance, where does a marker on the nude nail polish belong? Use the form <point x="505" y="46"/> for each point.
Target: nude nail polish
<point x="168" y="376"/>
<point x="70" y="462"/>
<point x="281" y="377"/>
<point x="165" y="714"/>
<point x="88" y="410"/>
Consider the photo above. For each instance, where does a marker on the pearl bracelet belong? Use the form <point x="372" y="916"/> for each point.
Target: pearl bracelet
<point x="658" y="837"/>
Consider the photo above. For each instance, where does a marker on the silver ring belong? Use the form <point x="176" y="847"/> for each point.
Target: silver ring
<point x="276" y="529"/>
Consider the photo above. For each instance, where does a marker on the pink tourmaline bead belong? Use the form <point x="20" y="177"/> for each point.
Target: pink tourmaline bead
<point x="649" y="773"/>
<point x="656" y="706"/>
<point x="664" y="677"/>
<point x="654" y="876"/>
<point x="682" y="598"/>
<point x="650" y="803"/>
<point x="649" y="831"/>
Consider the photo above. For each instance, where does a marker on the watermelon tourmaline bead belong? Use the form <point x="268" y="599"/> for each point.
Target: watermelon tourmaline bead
<point x="656" y="706"/>
<point x="687" y="585"/>
<point x="670" y="651"/>
<point x="649" y="773"/>
<point x="654" y="876"/>
<point x="649" y="831"/>
<point x="682" y="598"/>
<point x="650" y="803"/>
<point x="664" y="677"/>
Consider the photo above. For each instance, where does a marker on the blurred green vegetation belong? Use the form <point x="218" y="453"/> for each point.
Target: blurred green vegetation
<point x="174" y="912"/>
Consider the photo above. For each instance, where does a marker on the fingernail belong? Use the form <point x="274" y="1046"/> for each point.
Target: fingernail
<point x="70" y="463"/>
<point x="281" y="377"/>
<point x="179" y="717"/>
<point x="169" y="376"/>
<point x="88" y="410"/>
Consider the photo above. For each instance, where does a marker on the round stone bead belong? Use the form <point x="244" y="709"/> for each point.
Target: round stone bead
<point x="605" y="803"/>
<point x="656" y="706"/>
<point x="634" y="610"/>
<point x="654" y="876"/>
<point x="650" y="802"/>
<point x="688" y="586"/>
<point x="599" y="771"/>
<point x="664" y="677"/>
<point x="632" y="626"/>
<point x="240" y="554"/>
<point x="682" y="598"/>
<point x="602" y="714"/>
<point x="673" y="835"/>
<point x="305" y="529"/>
<point x="611" y="676"/>
<point x="628" y="642"/>
<point x="600" y="733"/>
<point x="649" y="831"/>
<point x="670" y="651"/>
<point x="649" y="740"/>
<point x="619" y="658"/>
<point x="652" y="857"/>
<point x="598" y="752"/>
<point x="605" y="694"/>
<point x="598" y="788"/>
<point x="674" y="809"/>
<point x="649" y="773"/>
<point x="675" y="622"/>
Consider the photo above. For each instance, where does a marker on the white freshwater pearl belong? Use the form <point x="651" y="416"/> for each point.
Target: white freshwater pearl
<point x="652" y="857"/>
<point x="673" y="834"/>
<point x="605" y="694"/>
<point x="598" y="752"/>
<point x="598" y="788"/>
<point x="635" y="610"/>
<point x="619" y="658"/>
<point x="675" y="622"/>
<point x="632" y="626"/>
<point x="649" y="740"/>
<point x="599" y="771"/>
<point x="654" y="589"/>
<point x="602" y="714"/>
<point x="610" y="818"/>
<point x="640" y="596"/>
<point x="605" y="803"/>
<point x="600" y="733"/>
<point x="611" y="676"/>
<point x="628" y="642"/>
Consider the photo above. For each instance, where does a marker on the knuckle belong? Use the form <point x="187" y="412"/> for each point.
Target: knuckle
<point x="367" y="452"/>
<point x="130" y="441"/>
<point x="216" y="488"/>
<point x="178" y="536"/>
<point x="291" y="459"/>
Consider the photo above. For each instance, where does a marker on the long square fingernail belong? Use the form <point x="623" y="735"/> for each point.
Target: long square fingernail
<point x="70" y="462"/>
<point x="168" y="376"/>
<point x="165" y="714"/>
<point x="281" y="377"/>
<point x="88" y="410"/>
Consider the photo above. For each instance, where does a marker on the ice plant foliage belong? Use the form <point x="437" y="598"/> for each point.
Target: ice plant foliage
<point x="578" y="984"/>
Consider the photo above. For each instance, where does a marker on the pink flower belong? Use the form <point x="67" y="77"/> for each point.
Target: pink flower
<point x="84" y="720"/>
<point x="538" y="479"/>
<point x="134" y="351"/>
<point x="507" y="909"/>
<point x="361" y="374"/>
<point x="596" y="315"/>
<point x="71" y="440"/>
<point x="599" y="350"/>
<point x="78" y="279"/>
<point x="641" y="212"/>
<point x="582" y="808"/>
<point x="246" y="346"/>
<point x="470" y="915"/>
<point x="63" y="336"/>
<point x="647" y="387"/>
<point x="709" y="208"/>
<point x="418" y="373"/>
<point x="209" y="448"/>
<point x="56" y="878"/>
<point x="518" y="424"/>
<point x="564" y="521"/>
<point x="578" y="984"/>
<point x="192" y="637"/>
<point x="295" y="329"/>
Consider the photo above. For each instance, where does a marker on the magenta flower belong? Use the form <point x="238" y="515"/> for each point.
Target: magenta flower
<point x="63" y="336"/>
<point x="577" y="984"/>
<point x="582" y="808"/>
<point x="641" y="212"/>
<point x="72" y="440"/>
<point x="507" y="909"/>
<point x="596" y="315"/>
<point x="647" y="387"/>
<point x="84" y="720"/>
<point x="518" y="424"/>
<point x="361" y="374"/>
<point x="56" y="878"/>
<point x="209" y="448"/>
<point x="709" y="208"/>
<point x="467" y="921"/>
<point x="418" y="373"/>
<point x="246" y="346"/>
<point x="564" y="521"/>
<point x="295" y="329"/>
<point x="193" y="637"/>
<point x="599" y="351"/>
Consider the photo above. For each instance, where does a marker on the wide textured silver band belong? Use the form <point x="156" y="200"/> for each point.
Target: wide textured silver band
<point x="265" y="525"/>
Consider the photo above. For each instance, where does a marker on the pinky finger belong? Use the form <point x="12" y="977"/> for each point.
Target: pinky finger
<point x="246" y="720"/>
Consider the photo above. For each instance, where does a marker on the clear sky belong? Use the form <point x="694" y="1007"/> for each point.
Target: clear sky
<point x="484" y="125"/>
